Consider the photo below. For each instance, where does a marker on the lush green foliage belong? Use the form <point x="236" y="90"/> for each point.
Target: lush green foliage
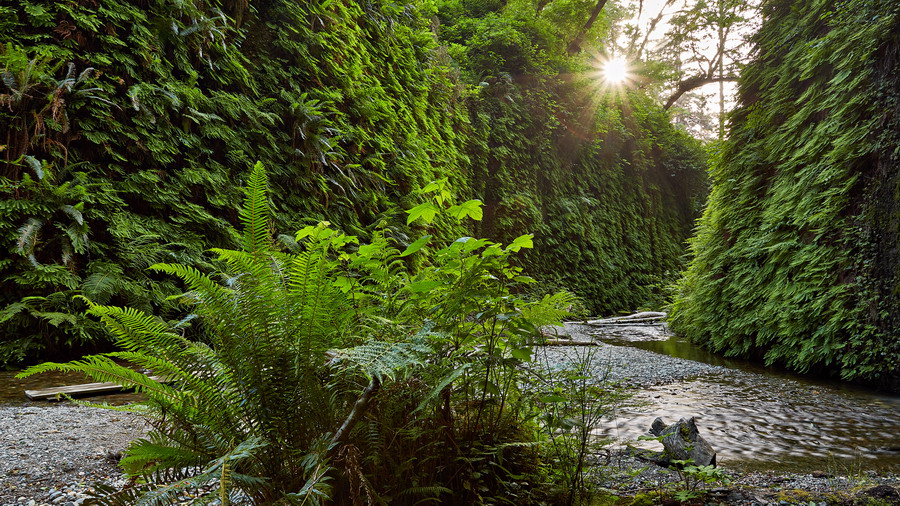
<point x="574" y="400"/>
<point x="127" y="117"/>
<point x="795" y="256"/>
<point x="123" y="120"/>
<point x="609" y="187"/>
<point x="296" y="342"/>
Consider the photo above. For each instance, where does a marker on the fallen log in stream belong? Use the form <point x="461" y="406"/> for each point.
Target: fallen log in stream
<point x="569" y="342"/>
<point x="62" y="392"/>
<point x="643" y="318"/>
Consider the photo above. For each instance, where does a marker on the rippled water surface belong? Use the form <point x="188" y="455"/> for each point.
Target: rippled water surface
<point x="757" y="419"/>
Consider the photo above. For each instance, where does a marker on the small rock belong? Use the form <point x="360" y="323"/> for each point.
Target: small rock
<point x="821" y="474"/>
<point x="882" y="492"/>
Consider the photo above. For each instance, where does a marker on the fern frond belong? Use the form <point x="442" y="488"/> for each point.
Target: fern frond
<point x="254" y="214"/>
<point x="219" y="470"/>
<point x="550" y="310"/>
<point x="104" y="369"/>
<point x="205" y="292"/>
<point x="433" y="491"/>
<point x="134" y="329"/>
<point x="379" y="359"/>
<point x="315" y="301"/>
<point x="441" y="385"/>
<point x="144" y="457"/>
<point x="103" y="283"/>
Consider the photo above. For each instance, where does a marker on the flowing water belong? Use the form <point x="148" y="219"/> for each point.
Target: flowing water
<point x="759" y="419"/>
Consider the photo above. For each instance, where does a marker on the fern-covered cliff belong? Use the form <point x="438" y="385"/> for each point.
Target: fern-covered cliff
<point x="796" y="256"/>
<point x="609" y="187"/>
<point x="126" y="126"/>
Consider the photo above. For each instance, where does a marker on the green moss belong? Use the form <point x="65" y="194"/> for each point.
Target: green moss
<point x="794" y="496"/>
<point x="651" y="498"/>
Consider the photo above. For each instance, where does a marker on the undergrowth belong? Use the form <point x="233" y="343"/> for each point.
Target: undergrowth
<point x="329" y="371"/>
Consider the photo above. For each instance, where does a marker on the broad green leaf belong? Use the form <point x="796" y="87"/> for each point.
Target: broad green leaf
<point x="426" y="211"/>
<point x="436" y="185"/>
<point x="343" y="282"/>
<point x="424" y="286"/>
<point x="522" y="353"/>
<point x="471" y="208"/>
<point x="311" y="230"/>
<point x="416" y="246"/>
<point x="552" y="398"/>
<point x="523" y="241"/>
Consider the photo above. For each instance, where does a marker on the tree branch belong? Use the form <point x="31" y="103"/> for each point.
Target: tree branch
<point x="655" y="21"/>
<point x="359" y="408"/>
<point x="693" y="83"/>
<point x="575" y="45"/>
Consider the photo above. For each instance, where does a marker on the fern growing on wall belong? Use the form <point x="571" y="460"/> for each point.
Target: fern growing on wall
<point x="794" y="257"/>
<point x="126" y="117"/>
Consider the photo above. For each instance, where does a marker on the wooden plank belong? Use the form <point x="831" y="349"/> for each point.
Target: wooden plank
<point x="568" y="342"/>
<point x="56" y="393"/>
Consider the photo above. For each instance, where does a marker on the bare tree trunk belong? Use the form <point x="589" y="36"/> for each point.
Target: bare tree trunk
<point x="721" y="71"/>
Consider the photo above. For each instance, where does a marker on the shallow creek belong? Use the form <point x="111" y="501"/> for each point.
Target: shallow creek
<point x="12" y="389"/>
<point x="757" y="419"/>
<point x="760" y="419"/>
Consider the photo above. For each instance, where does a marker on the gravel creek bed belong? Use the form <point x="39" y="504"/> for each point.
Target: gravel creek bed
<point x="53" y="453"/>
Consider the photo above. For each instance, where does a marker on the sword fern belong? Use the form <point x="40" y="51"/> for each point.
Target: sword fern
<point x="251" y="405"/>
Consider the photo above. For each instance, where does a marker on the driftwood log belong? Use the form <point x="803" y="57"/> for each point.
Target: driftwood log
<point x="682" y="441"/>
<point x="568" y="342"/>
<point x="645" y="317"/>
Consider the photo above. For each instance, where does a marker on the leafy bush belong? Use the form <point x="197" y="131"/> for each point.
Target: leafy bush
<point x="290" y="394"/>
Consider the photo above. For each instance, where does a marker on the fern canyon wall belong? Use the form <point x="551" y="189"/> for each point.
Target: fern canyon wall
<point x="796" y="256"/>
<point x="127" y="128"/>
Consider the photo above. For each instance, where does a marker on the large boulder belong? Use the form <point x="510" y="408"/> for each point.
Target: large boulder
<point x="682" y="441"/>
